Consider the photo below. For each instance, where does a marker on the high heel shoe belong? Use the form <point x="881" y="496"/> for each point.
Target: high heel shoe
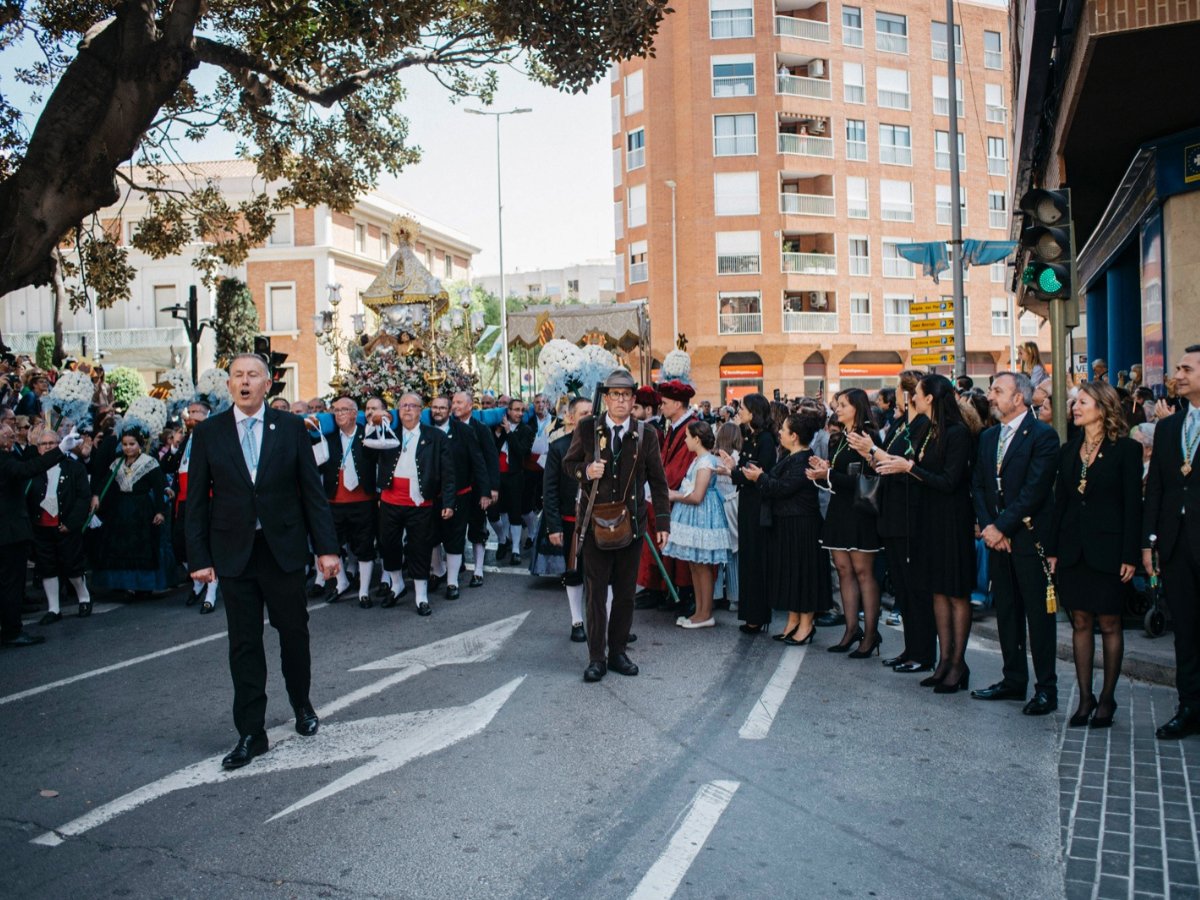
<point x="1104" y="721"/>
<point x="1084" y="713"/>
<point x="784" y="635"/>
<point x="935" y="679"/>
<point x="864" y="652"/>
<point x="845" y="647"/>
<point x="792" y="642"/>
<point x="962" y="684"/>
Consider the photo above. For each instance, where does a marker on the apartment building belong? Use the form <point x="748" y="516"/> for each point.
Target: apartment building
<point x="772" y="155"/>
<point x="310" y="249"/>
<point x="591" y="281"/>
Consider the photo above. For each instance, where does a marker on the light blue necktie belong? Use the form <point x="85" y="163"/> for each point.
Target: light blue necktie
<point x="249" y="446"/>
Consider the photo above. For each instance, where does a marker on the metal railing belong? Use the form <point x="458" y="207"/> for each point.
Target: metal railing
<point x="856" y="150"/>
<point x="806" y="145"/>
<point x="821" y="322"/>
<point x="740" y="323"/>
<point x="739" y="264"/>
<point x="808" y="29"/>
<point x="855" y="93"/>
<point x="993" y="59"/>
<point x="810" y="263"/>
<point x="893" y="99"/>
<point x="896" y="155"/>
<point x="733" y="86"/>
<point x="110" y="339"/>
<point x="807" y="204"/>
<point x="733" y="26"/>
<point x="860" y="323"/>
<point x="997" y="114"/>
<point x="941" y="50"/>
<point x="802" y="86"/>
<point x="941" y="107"/>
<point x="942" y="214"/>
<point x="856" y="211"/>
<point x="635" y="159"/>
<point x="638" y="272"/>
<point x="941" y="160"/>
<point x="891" y="43"/>
<point x="860" y="265"/>
<point x="735" y="145"/>
<point x="896" y="212"/>
<point x="997" y="166"/>
<point x="852" y="37"/>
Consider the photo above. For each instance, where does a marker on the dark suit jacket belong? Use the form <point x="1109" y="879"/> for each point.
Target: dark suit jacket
<point x="469" y="466"/>
<point x="559" y="487"/>
<point x="1027" y="477"/>
<point x="1102" y="526"/>
<point x="74" y="494"/>
<point x="14" y="475"/>
<point x="1169" y="491"/>
<point x="435" y="466"/>
<point x="490" y="481"/>
<point x="363" y="464"/>
<point x="287" y="496"/>
<point x="637" y="467"/>
<point x="520" y="440"/>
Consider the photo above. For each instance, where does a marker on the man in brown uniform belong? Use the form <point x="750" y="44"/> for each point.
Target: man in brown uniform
<point x="628" y="460"/>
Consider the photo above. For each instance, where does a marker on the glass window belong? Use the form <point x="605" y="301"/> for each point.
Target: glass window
<point x="1030" y="324"/>
<point x="855" y="82"/>
<point x="997" y="272"/>
<point x="891" y="32"/>
<point x="619" y="218"/>
<point x="997" y="156"/>
<point x="736" y="193"/>
<point x="638" y="266"/>
<point x="735" y="135"/>
<point x="282" y="235"/>
<point x="281" y="307"/>
<point x="852" y="26"/>
<point x="617" y="167"/>
<point x="738" y="253"/>
<point x="637" y="205"/>
<point x="857" y="204"/>
<point x="892" y="85"/>
<point x="733" y="76"/>
<point x="895" y="200"/>
<point x="448" y="270"/>
<point x="941" y="150"/>
<point x="1001" y="325"/>
<point x="360" y="237"/>
<point x="941" y="95"/>
<point x="739" y="312"/>
<point x="633" y="92"/>
<point x="856" y="139"/>
<point x="635" y="149"/>
<point x="730" y="19"/>
<point x="940" y="50"/>
<point x="616" y="113"/>
<point x="997" y="209"/>
<point x="860" y="313"/>
<point x="860" y="256"/>
<point x="992" y="56"/>
<point x="895" y="265"/>
<point x="385" y="245"/>
<point x="896" y="314"/>
<point x="993" y="98"/>
<point x="942" y="201"/>
<point x="895" y="144"/>
<point x="165" y="296"/>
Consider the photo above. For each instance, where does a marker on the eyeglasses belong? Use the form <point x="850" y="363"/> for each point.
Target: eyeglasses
<point x="345" y="409"/>
<point x="620" y="395"/>
<point x="410" y="405"/>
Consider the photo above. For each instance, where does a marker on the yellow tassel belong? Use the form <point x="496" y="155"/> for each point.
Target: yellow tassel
<point x="1051" y="599"/>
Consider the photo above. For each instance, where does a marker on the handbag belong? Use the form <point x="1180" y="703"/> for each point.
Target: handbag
<point x="866" y="490"/>
<point x="613" y="526"/>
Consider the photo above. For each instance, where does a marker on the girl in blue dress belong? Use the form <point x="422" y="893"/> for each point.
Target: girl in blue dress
<point x="699" y="531"/>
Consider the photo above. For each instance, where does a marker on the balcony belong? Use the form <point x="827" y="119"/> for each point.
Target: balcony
<point x="110" y="339"/>
<point x="806" y="205"/>
<point x="740" y="323"/>
<point x="733" y="85"/>
<point x="805" y="29"/>
<point x="638" y="271"/>
<point x="812" y="322"/>
<point x="806" y="145"/>
<point x="891" y="43"/>
<point x="810" y="263"/>
<point x="802" y="86"/>
<point x="739" y="264"/>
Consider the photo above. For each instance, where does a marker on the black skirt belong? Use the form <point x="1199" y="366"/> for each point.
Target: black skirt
<point x="1083" y="588"/>
<point x="797" y="566"/>
<point x="849" y="528"/>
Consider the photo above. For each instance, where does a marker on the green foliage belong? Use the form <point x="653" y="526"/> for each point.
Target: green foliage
<point x="236" y="319"/>
<point x="127" y="384"/>
<point x="43" y="355"/>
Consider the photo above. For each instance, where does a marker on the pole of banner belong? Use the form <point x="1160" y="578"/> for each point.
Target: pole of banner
<point x="662" y="570"/>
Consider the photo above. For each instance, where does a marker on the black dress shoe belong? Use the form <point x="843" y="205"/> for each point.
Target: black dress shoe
<point x="23" y="640"/>
<point x="452" y="592"/>
<point x="50" y="618"/>
<point x="365" y="602"/>
<point x="829" y="619"/>
<point x="647" y="599"/>
<point x="85" y="609"/>
<point x="892" y="661"/>
<point x="910" y="666"/>
<point x="515" y="559"/>
<point x="206" y="608"/>
<point x="999" y="691"/>
<point x="424" y="610"/>
<point x="595" y="671"/>
<point x="476" y="581"/>
<point x="435" y="581"/>
<point x="632" y="639"/>
<point x="1042" y="704"/>
<point x="316" y="590"/>
<point x="248" y="747"/>
<point x="1185" y="722"/>
<point x="194" y="598"/>
<point x="622" y="665"/>
<point x="578" y="635"/>
<point x="306" y="720"/>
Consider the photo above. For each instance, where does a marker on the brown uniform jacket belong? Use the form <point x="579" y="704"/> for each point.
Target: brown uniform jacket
<point x="643" y="463"/>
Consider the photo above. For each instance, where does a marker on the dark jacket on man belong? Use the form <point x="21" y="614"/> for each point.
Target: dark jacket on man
<point x="1171" y="496"/>
<point x="435" y="466"/>
<point x="14" y="475"/>
<point x="1026" y="488"/>
<point x="560" y="489"/>
<point x="469" y="467"/>
<point x="636" y="467"/>
<point x="74" y="494"/>
<point x="364" y="465"/>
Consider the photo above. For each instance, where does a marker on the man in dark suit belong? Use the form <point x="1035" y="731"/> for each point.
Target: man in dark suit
<point x="513" y="441"/>
<point x="197" y="411"/>
<point x="470" y="469"/>
<point x="560" y="492"/>
<point x="59" y="501"/>
<point x="1171" y="525"/>
<point x="619" y="457"/>
<point x="1014" y="480"/>
<point x="15" y="531"/>
<point x="487" y="490"/>
<point x="255" y="501"/>
<point x="413" y="477"/>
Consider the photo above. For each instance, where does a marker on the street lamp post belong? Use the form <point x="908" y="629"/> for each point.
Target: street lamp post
<point x="500" y="235"/>
<point x="189" y="315"/>
<point x="674" y="271"/>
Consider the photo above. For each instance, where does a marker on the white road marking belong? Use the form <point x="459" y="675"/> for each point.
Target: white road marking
<point x="758" y="723"/>
<point x="665" y="876"/>
<point x="124" y="664"/>
<point x="389" y="741"/>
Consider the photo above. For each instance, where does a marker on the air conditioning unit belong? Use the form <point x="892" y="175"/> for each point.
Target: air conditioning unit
<point x="816" y="68"/>
<point x="818" y="127"/>
<point x="816" y="300"/>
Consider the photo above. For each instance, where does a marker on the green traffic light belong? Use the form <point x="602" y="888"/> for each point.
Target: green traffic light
<point x="1048" y="281"/>
<point x="1028" y="275"/>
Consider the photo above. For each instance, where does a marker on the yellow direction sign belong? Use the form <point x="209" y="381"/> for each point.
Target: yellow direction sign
<point x="931" y="324"/>
<point x="931" y="340"/>
<point x="944" y="307"/>
<point x="932" y="359"/>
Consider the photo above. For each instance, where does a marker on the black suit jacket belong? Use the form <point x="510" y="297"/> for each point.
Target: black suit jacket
<point x="14" y="475"/>
<point x="1103" y="525"/>
<point x="1027" y="483"/>
<point x="491" y="458"/>
<point x="560" y="489"/>
<point x="637" y="467"/>
<point x="1171" y="495"/>
<point x="520" y="440"/>
<point x="287" y="497"/>
<point x="435" y="466"/>
<point x="469" y="466"/>
<point x="74" y="491"/>
<point x="364" y="465"/>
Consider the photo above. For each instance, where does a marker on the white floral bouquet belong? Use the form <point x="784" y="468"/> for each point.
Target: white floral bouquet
<point x="386" y="374"/>
<point x="70" y="400"/>
<point x="598" y="364"/>
<point x="560" y="368"/>
<point x="677" y="367"/>
<point x="213" y="388"/>
<point x="182" y="391"/>
<point x="145" y="415"/>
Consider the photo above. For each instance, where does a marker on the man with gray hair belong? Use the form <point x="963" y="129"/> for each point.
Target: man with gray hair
<point x="1013" y="485"/>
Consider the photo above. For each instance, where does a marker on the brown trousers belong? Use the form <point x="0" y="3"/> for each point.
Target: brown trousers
<point x="602" y="568"/>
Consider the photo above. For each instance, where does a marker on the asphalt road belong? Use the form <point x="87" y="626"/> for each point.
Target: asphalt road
<point x="508" y="776"/>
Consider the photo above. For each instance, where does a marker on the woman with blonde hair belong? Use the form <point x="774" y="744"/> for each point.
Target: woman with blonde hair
<point x="1031" y="363"/>
<point x="1094" y="542"/>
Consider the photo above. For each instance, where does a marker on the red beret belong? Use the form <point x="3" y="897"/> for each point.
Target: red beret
<point x="676" y="390"/>
<point x="646" y="396"/>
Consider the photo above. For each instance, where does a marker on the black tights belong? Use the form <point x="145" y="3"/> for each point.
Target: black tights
<point x="953" y="617"/>
<point x="856" y="575"/>
<point x="1113" y="639"/>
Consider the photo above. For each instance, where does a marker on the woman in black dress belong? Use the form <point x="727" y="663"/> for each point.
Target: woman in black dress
<point x="851" y="533"/>
<point x="760" y="448"/>
<point x="945" y="550"/>
<point x="795" y="563"/>
<point x="1093" y="547"/>
<point x="132" y="510"/>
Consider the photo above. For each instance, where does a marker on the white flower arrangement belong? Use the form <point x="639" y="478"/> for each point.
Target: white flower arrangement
<point x="677" y="366"/>
<point x="147" y="415"/>
<point x="182" y="391"/>
<point x="599" y="363"/>
<point x="560" y="367"/>
<point x="213" y="388"/>
<point x="70" y="400"/>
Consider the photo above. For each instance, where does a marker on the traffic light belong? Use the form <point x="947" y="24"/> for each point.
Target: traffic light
<point x="274" y="361"/>
<point x="1049" y="241"/>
